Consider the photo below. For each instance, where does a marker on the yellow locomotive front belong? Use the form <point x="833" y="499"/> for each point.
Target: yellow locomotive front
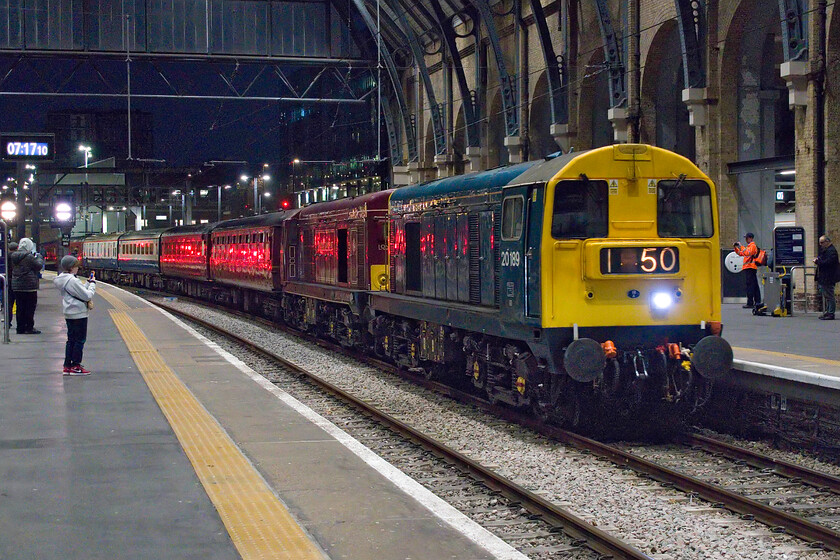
<point x="631" y="268"/>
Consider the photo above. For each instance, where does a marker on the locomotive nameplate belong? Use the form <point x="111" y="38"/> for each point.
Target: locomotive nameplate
<point x="640" y="260"/>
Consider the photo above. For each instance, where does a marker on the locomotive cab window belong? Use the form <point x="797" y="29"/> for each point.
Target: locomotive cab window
<point x="684" y="209"/>
<point x="513" y="218"/>
<point x="580" y="210"/>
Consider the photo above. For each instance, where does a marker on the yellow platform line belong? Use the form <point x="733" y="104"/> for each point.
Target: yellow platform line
<point x="811" y="359"/>
<point x="258" y="523"/>
<point x="116" y="302"/>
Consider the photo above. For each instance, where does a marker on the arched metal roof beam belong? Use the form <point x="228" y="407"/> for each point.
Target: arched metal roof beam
<point x="468" y="97"/>
<point x="420" y="60"/>
<point x="555" y="68"/>
<point x="507" y="81"/>
<point x="392" y="129"/>
<point x="794" y="34"/>
<point x="399" y="94"/>
<point x="612" y="55"/>
<point x="691" y="18"/>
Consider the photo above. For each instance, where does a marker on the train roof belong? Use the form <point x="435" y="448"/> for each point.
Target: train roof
<point x="272" y="219"/>
<point x="189" y="230"/>
<point x="546" y="169"/>
<point x="374" y="201"/>
<point x="143" y="234"/>
<point x="481" y="180"/>
<point x="104" y="237"/>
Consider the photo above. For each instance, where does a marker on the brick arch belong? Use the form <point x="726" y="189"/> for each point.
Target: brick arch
<point x="428" y="144"/>
<point x="755" y="121"/>
<point x="497" y="154"/>
<point x="540" y="142"/>
<point x="594" y="128"/>
<point x="664" y="115"/>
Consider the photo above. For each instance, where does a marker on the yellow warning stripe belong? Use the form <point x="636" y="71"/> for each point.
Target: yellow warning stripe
<point x="116" y="302"/>
<point x="258" y="523"/>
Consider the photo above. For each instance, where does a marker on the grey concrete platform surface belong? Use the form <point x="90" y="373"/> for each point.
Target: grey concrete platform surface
<point x="800" y="348"/>
<point x="90" y="468"/>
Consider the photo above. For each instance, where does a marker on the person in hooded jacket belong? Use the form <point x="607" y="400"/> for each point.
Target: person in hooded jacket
<point x="27" y="264"/>
<point x="74" y="301"/>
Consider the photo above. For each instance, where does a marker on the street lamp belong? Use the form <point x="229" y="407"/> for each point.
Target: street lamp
<point x="8" y="212"/>
<point x="87" y="150"/>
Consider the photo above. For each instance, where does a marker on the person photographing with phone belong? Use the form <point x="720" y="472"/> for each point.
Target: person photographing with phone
<point x="749" y="252"/>
<point x="77" y="301"/>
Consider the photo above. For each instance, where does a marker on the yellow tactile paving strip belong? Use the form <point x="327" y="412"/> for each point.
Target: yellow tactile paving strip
<point x="118" y="304"/>
<point x="258" y="523"/>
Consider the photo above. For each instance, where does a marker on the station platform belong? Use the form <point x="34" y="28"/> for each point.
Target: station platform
<point x="173" y="448"/>
<point x="799" y="352"/>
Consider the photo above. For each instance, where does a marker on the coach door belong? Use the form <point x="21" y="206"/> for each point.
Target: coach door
<point x="519" y="252"/>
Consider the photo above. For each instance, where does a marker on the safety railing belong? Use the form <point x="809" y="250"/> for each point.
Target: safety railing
<point x="803" y="296"/>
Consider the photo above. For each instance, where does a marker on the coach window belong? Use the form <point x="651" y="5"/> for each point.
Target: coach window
<point x="684" y="209"/>
<point x="580" y="210"/>
<point x="512" y="218"/>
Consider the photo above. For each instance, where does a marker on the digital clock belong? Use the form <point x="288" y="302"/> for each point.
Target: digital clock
<point x="640" y="260"/>
<point x="27" y="147"/>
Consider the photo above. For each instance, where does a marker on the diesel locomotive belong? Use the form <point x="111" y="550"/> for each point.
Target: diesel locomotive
<point x="585" y="287"/>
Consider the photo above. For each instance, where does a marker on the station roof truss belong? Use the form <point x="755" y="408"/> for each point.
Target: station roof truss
<point x="302" y="52"/>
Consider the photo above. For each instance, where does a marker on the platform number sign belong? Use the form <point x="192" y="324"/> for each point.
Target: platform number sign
<point x="27" y="147"/>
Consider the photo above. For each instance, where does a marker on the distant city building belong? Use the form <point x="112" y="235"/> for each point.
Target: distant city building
<point x="105" y="131"/>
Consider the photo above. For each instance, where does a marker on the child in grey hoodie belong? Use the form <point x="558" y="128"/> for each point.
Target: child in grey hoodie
<point x="75" y="298"/>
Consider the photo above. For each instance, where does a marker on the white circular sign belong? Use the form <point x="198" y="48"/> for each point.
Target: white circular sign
<point x="734" y="262"/>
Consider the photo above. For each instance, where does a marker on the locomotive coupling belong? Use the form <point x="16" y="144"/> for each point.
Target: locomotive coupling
<point x="712" y="357"/>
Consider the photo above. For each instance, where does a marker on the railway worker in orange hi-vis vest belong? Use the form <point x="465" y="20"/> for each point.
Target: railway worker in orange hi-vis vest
<point x="749" y="252"/>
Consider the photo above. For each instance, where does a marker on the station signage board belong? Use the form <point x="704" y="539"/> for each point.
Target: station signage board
<point x="789" y="243"/>
<point x="27" y="147"/>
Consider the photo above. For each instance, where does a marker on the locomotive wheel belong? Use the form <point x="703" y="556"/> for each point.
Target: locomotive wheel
<point x="479" y="375"/>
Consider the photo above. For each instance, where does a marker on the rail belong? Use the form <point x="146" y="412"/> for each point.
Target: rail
<point x="791" y="524"/>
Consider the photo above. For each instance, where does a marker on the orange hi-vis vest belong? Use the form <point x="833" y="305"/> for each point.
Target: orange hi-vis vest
<point x="749" y="253"/>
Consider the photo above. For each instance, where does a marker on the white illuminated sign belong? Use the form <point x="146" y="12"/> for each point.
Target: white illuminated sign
<point x="63" y="212"/>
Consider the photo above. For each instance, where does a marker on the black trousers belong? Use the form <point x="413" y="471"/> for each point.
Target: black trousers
<point x="76" y="338"/>
<point x="26" y="304"/>
<point x="753" y="293"/>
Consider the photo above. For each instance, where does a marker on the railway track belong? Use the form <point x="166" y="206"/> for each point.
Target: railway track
<point x="528" y="522"/>
<point x="798" y="501"/>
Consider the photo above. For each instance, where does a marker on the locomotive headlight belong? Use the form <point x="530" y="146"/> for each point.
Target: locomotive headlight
<point x="661" y="300"/>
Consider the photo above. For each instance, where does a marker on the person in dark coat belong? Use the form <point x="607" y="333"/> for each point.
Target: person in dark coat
<point x="828" y="269"/>
<point x="8" y="311"/>
<point x="27" y="265"/>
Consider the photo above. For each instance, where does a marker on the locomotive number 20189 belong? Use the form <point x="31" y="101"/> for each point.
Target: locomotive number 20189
<point x="510" y="258"/>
